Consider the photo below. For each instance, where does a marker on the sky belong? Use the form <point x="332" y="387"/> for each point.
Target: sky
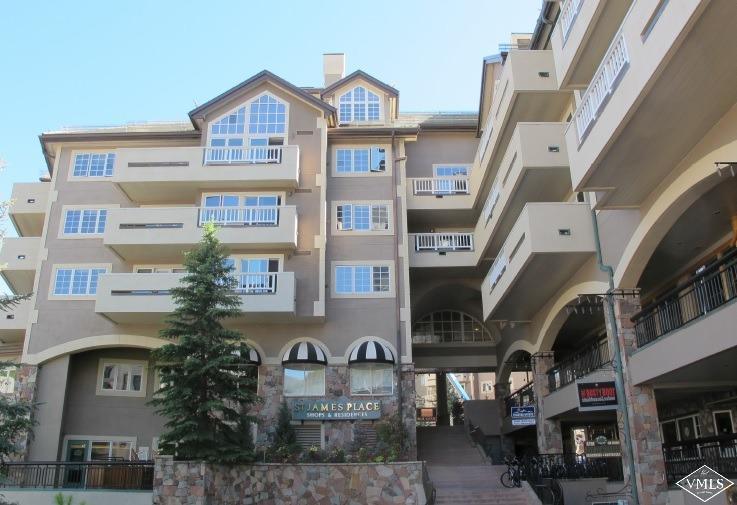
<point x="90" y="63"/>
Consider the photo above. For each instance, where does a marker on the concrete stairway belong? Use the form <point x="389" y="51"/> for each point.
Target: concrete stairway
<point x="460" y="474"/>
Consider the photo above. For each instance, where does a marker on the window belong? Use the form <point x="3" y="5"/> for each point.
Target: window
<point x="357" y="279"/>
<point x="359" y="104"/>
<point x="255" y="275"/>
<point x="93" y="164"/>
<point x="77" y="281"/>
<point x="364" y="217"/>
<point x="452" y="171"/>
<point x="360" y="160"/>
<point x="84" y="221"/>
<point x="160" y="269"/>
<point x="105" y="450"/>
<point x="304" y="380"/>
<point x="267" y="115"/>
<point x="7" y="380"/>
<point x="122" y="377"/>
<point x="372" y="379"/>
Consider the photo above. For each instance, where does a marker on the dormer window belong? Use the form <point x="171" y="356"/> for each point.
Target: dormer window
<point x="359" y="104"/>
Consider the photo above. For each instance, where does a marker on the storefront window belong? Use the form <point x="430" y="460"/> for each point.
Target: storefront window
<point x="304" y="380"/>
<point x="372" y="379"/>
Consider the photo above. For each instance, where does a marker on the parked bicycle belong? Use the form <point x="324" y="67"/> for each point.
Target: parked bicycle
<point x="513" y="476"/>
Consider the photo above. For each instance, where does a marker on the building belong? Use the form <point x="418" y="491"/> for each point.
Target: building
<point x="596" y="183"/>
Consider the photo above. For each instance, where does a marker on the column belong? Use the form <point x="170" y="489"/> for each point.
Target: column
<point x="50" y="398"/>
<point x="409" y="412"/>
<point x="441" y="389"/>
<point x="501" y="391"/>
<point x="643" y="414"/>
<point x="549" y="437"/>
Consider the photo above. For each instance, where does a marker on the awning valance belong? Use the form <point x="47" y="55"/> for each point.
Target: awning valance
<point x="371" y="351"/>
<point x="305" y="352"/>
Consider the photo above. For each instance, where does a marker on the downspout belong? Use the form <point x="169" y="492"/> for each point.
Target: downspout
<point x="400" y="389"/>
<point x="617" y="363"/>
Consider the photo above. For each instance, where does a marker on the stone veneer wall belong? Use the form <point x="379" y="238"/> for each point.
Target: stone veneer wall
<point x="549" y="436"/>
<point x="193" y="483"/>
<point x="338" y="434"/>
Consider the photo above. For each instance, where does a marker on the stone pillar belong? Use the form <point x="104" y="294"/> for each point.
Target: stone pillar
<point x="409" y="411"/>
<point x="51" y="388"/>
<point x="549" y="437"/>
<point x="501" y="391"/>
<point x="441" y="390"/>
<point x="643" y="414"/>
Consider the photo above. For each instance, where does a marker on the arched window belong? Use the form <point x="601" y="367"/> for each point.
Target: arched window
<point x="267" y="115"/>
<point x="359" y="104"/>
<point x="448" y="326"/>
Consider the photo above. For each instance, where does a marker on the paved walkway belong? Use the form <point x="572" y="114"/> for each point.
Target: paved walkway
<point x="460" y="474"/>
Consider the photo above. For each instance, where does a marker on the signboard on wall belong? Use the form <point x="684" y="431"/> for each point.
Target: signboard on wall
<point x="335" y="410"/>
<point x="523" y="416"/>
<point x="596" y="396"/>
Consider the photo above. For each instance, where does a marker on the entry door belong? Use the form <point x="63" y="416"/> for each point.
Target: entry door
<point x="687" y="428"/>
<point x="256" y="278"/>
<point x="76" y="452"/>
<point x="723" y="423"/>
<point x="222" y="209"/>
<point x="447" y="186"/>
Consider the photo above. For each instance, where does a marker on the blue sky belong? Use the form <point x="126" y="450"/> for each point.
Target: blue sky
<point x="76" y="63"/>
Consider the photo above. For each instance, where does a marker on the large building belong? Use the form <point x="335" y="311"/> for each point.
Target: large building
<point x="592" y="199"/>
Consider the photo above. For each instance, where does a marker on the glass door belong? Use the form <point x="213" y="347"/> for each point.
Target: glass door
<point x="445" y="174"/>
<point x="221" y="209"/>
<point x="262" y="209"/>
<point x="74" y="476"/>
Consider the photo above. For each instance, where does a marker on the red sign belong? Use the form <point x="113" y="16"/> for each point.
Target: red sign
<point x="597" y="396"/>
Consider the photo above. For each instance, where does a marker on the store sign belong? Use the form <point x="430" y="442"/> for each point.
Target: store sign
<point x="597" y="396"/>
<point x="335" y="410"/>
<point x="523" y="416"/>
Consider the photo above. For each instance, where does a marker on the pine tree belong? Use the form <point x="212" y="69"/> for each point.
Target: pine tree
<point x="206" y="393"/>
<point x="15" y="421"/>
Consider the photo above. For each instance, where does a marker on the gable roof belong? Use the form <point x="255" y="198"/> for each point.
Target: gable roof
<point x="263" y="76"/>
<point x="360" y="73"/>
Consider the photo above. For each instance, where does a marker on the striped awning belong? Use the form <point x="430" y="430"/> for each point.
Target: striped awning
<point x="252" y="357"/>
<point x="371" y="351"/>
<point x="305" y="352"/>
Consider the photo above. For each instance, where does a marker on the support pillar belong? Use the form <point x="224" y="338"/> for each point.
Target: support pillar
<point x="643" y="415"/>
<point x="441" y="389"/>
<point x="50" y="401"/>
<point x="409" y="412"/>
<point x="549" y="436"/>
<point x="501" y="391"/>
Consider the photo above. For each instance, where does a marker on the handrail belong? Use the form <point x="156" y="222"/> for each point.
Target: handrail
<point x="579" y="364"/>
<point x="568" y="12"/>
<point x="244" y="216"/>
<point x="238" y="155"/>
<point x="684" y="457"/>
<point x="454" y="241"/>
<point x="492" y="200"/>
<point x="120" y="475"/>
<point x="440" y="185"/>
<point x="497" y="269"/>
<point x="523" y="396"/>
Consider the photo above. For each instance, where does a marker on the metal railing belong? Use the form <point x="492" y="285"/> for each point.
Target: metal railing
<point x="573" y="466"/>
<point x="718" y="453"/>
<point x="568" y="12"/>
<point x="579" y="364"/>
<point x="239" y="216"/>
<point x="701" y="294"/>
<point x="257" y="283"/>
<point x="602" y="84"/>
<point x="440" y="186"/>
<point x="520" y="398"/>
<point x="122" y="475"/>
<point x="443" y="242"/>
<point x="241" y="155"/>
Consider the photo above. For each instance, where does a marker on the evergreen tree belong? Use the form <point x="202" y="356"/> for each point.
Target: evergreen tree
<point x="285" y="447"/>
<point x="15" y="421"/>
<point x="205" y="393"/>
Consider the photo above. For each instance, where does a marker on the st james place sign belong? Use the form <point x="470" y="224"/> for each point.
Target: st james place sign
<point x="335" y="410"/>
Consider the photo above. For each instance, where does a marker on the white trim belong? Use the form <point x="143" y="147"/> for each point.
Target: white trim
<point x="116" y="392"/>
<point x="91" y="343"/>
<point x="95" y="438"/>
<point x="369" y="89"/>
<point x="467" y="166"/>
<point x="246" y="135"/>
<point x="57" y="266"/>
<point x="240" y="194"/>
<point x="361" y="263"/>
<point x="388" y="160"/>
<point x="352" y="367"/>
<point x="296" y="366"/>
<point x="95" y="178"/>
<point x="78" y="235"/>
<point x="352" y="231"/>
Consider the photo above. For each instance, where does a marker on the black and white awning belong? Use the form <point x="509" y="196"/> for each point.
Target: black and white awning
<point x="305" y="352"/>
<point x="371" y="351"/>
<point x="252" y="356"/>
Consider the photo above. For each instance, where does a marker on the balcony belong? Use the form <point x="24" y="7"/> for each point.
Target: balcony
<point x="688" y="333"/>
<point x="179" y="174"/>
<point x="527" y="91"/>
<point x="522" y="397"/>
<point x="535" y="169"/>
<point x="29" y="207"/>
<point x="441" y="250"/>
<point x="627" y="134"/>
<point x="13" y="322"/>
<point x="19" y="257"/>
<point x="438" y="193"/>
<point x="547" y="244"/>
<point x="161" y="234"/>
<point x="581" y="37"/>
<point x="146" y="299"/>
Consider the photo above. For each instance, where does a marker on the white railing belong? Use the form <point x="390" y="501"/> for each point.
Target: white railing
<point x="497" y="269"/>
<point x="440" y="186"/>
<point x="603" y="83"/>
<point x="568" y="12"/>
<point x="241" y="155"/>
<point x="240" y="216"/>
<point x="444" y="242"/>
<point x="257" y="283"/>
<point x="492" y="200"/>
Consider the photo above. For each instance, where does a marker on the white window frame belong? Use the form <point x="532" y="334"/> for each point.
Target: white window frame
<point x="357" y="147"/>
<point x="372" y="367"/>
<point x="437" y="166"/>
<point x="362" y="263"/>
<point x="352" y="103"/>
<point x="77" y="266"/>
<point x="82" y="208"/>
<point x="303" y="394"/>
<point x="96" y="438"/>
<point x="389" y="230"/>
<point x="8" y="375"/>
<point x="246" y="136"/>
<point x="107" y="173"/>
<point x="162" y="269"/>
<point x="103" y="362"/>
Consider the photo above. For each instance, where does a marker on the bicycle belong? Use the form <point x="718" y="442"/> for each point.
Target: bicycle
<point x="513" y="476"/>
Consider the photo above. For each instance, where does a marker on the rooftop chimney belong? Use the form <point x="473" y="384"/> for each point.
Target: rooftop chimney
<point x="333" y="67"/>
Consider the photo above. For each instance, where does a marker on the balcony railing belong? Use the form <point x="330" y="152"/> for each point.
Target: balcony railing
<point x="492" y="200"/>
<point x="718" y="453"/>
<point x="257" y="283"/>
<point x="579" y="364"/>
<point x="440" y="186"/>
<point x="703" y="293"/>
<point x="240" y="155"/>
<point x="523" y="396"/>
<point x="568" y="12"/>
<point x="497" y="269"/>
<point x="605" y="80"/>
<point x="240" y="216"/>
<point x="572" y="466"/>
<point x="119" y="475"/>
<point x="443" y="242"/>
